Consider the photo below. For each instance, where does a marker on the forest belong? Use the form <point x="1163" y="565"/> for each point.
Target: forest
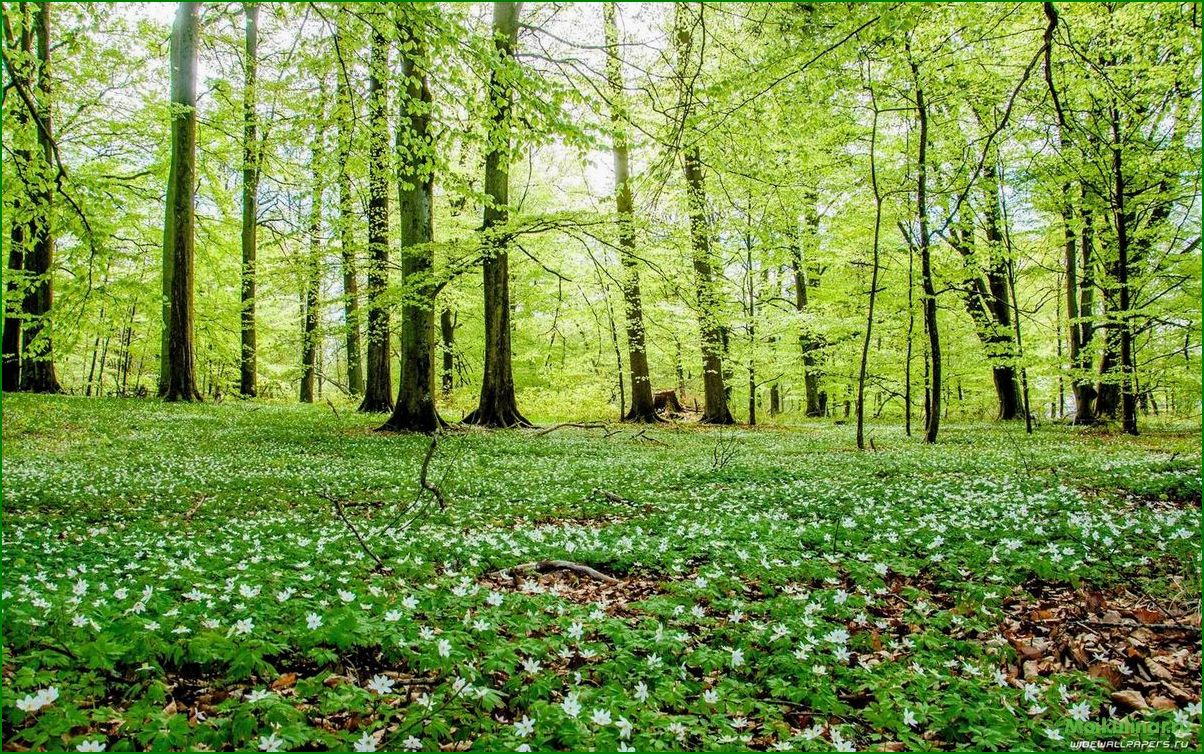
<point x="601" y="376"/>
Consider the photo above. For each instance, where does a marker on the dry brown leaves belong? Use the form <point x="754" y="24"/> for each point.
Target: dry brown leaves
<point x="613" y="598"/>
<point x="1149" y="658"/>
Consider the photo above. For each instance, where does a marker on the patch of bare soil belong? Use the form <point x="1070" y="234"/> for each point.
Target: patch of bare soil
<point x="1149" y="654"/>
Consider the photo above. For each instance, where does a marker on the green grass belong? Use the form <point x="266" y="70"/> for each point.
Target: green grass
<point x="800" y="595"/>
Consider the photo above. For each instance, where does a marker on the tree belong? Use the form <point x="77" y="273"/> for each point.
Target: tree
<point x="642" y="409"/>
<point x="178" y="267"/>
<point x="932" y="418"/>
<point x="497" y="406"/>
<point x="38" y="374"/>
<point x="345" y="116"/>
<point x="715" y="409"/>
<point x="250" y="201"/>
<point x="808" y="235"/>
<point x="312" y="263"/>
<point x="20" y="59"/>
<point x="378" y="386"/>
<point x="415" y="406"/>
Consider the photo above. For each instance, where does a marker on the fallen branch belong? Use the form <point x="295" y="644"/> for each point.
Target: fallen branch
<point x="579" y="425"/>
<point x="338" y="509"/>
<point x="612" y="497"/>
<point x="547" y="566"/>
<point x="428" y="485"/>
<point x="332" y="408"/>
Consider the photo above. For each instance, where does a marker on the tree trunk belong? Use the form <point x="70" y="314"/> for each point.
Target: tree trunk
<point x="250" y="202"/>
<point x="642" y="409"/>
<point x="715" y="409"/>
<point x="181" y="355"/>
<point x="497" y="407"/>
<point x="808" y="237"/>
<point x="351" y="315"/>
<point x="313" y="262"/>
<point x="22" y="230"/>
<point x="415" y="406"/>
<point x="447" y="333"/>
<point x="1128" y="375"/>
<point x="37" y="368"/>
<point x="874" y="271"/>
<point x="378" y="386"/>
<point x="933" y="388"/>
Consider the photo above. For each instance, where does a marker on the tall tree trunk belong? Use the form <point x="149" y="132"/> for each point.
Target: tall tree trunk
<point x="807" y="242"/>
<point x="378" y="387"/>
<point x="312" y="265"/>
<point x="250" y="201"/>
<point x="22" y="230"/>
<point x="1000" y="341"/>
<point x="351" y="314"/>
<point x="37" y="368"/>
<point x="874" y="270"/>
<point x="447" y="333"/>
<point x="1123" y="322"/>
<point x="497" y="407"/>
<point x="933" y="388"/>
<point x="415" y="407"/>
<point x="181" y="354"/>
<point x="715" y="409"/>
<point x="642" y="409"/>
<point x="1080" y="284"/>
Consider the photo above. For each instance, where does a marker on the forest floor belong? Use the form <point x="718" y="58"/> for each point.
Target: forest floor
<point x="192" y="577"/>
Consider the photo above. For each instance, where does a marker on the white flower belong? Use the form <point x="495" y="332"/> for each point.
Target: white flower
<point x="409" y="603"/>
<point x="90" y="746"/>
<point x="1081" y="711"/>
<point x="600" y="717"/>
<point x="366" y="742"/>
<point x="1054" y="734"/>
<point x="524" y="727"/>
<point x="625" y="727"/>
<point x="494" y="599"/>
<point x="393" y="616"/>
<point x="710" y="696"/>
<point x="523" y="747"/>
<point x="444" y="648"/>
<point x="284" y="595"/>
<point x="380" y="684"/>
<point x="270" y="742"/>
<point x="346" y="596"/>
<point x="313" y="621"/>
<point x="909" y="718"/>
<point x="737" y="658"/>
<point x="412" y="743"/>
<point x="244" y="626"/>
<point x="575" y="630"/>
<point x="571" y="706"/>
<point x="531" y="665"/>
<point x="257" y="694"/>
<point x="641" y="692"/>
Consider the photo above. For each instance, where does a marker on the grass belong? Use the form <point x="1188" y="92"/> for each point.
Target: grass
<point x="179" y="576"/>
